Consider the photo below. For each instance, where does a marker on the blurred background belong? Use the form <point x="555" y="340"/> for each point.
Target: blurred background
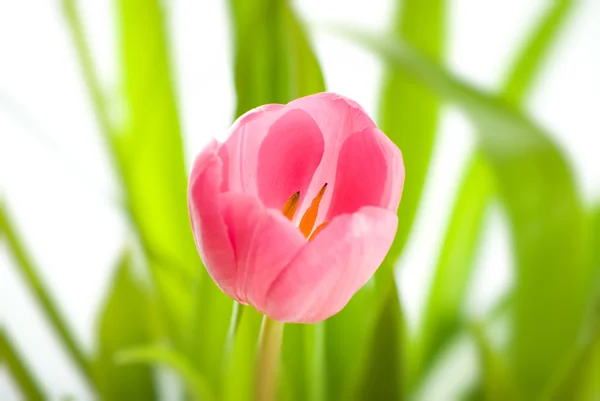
<point x="493" y="103"/>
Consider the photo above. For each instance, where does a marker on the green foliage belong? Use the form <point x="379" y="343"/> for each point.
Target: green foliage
<point x="194" y="381"/>
<point x="409" y="110"/>
<point x="273" y="59"/>
<point x="29" y="271"/>
<point x="125" y="321"/>
<point x="443" y="316"/>
<point x="19" y="370"/>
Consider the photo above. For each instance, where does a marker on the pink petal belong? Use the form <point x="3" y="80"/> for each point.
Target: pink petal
<point x="264" y="242"/>
<point x="369" y="172"/>
<point x="337" y="117"/>
<point x="210" y="232"/>
<point x="327" y="272"/>
<point x="288" y="158"/>
<point x="240" y="151"/>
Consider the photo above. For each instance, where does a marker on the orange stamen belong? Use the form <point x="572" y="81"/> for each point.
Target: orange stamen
<point x="310" y="216"/>
<point x="289" y="209"/>
<point x="319" y="228"/>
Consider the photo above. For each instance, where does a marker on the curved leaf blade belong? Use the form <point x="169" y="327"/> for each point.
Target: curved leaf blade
<point x="544" y="210"/>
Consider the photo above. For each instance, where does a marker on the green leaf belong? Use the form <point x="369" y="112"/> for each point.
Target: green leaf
<point x="443" y="311"/>
<point x="240" y="361"/>
<point x="544" y="211"/>
<point x="582" y="383"/>
<point x="19" y="370"/>
<point x="304" y="361"/>
<point x="148" y="154"/>
<point x="149" y="140"/>
<point x="347" y="338"/>
<point x="497" y="383"/>
<point x="579" y="380"/>
<point x="125" y="321"/>
<point x="409" y="111"/>
<point x="273" y="59"/>
<point x="532" y="55"/>
<point x="194" y="381"/>
<point x="381" y="372"/>
<point x="24" y="262"/>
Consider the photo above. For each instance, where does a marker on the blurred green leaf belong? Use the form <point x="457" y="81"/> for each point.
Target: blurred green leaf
<point x="240" y="362"/>
<point x="579" y="379"/>
<point x="125" y="321"/>
<point x="347" y="342"/>
<point x="148" y="152"/>
<point x="527" y="66"/>
<point x="544" y="210"/>
<point x="304" y="361"/>
<point x="497" y="384"/>
<point x="194" y="381"/>
<point x="274" y="62"/>
<point x="409" y="110"/>
<point x="381" y="371"/>
<point x="443" y="310"/>
<point x="25" y="264"/>
<point x="150" y="141"/>
<point x="19" y="370"/>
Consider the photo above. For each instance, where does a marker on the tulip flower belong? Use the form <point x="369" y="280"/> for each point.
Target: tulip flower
<point x="296" y="210"/>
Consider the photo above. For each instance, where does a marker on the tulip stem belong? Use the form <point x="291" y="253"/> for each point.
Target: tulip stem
<point x="269" y="354"/>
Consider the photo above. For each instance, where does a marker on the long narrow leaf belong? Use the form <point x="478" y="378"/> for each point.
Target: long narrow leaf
<point x="544" y="211"/>
<point x="148" y="154"/>
<point x="274" y="62"/>
<point x="19" y="370"/>
<point x="195" y="382"/>
<point x="444" y="305"/>
<point x="125" y="322"/>
<point x="408" y="110"/>
<point x="442" y="313"/>
<point x="30" y="274"/>
<point x="241" y="357"/>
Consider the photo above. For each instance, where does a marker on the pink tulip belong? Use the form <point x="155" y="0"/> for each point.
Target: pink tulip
<point x="297" y="209"/>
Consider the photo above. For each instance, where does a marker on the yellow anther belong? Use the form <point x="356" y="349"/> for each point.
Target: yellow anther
<point x="289" y="209"/>
<point x="310" y="216"/>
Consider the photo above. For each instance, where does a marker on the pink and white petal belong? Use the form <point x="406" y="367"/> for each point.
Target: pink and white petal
<point x="338" y="117"/>
<point x="240" y="150"/>
<point x="369" y="172"/>
<point x="329" y="270"/>
<point x="210" y="232"/>
<point x="288" y="158"/>
<point x="264" y="242"/>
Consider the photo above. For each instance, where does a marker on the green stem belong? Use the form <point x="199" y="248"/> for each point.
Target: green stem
<point x="269" y="355"/>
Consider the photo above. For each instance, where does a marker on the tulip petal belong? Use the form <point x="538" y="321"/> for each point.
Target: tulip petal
<point x="264" y="242"/>
<point x="327" y="272"/>
<point x="337" y="117"/>
<point x="210" y="232"/>
<point x="240" y="151"/>
<point x="288" y="158"/>
<point x="369" y="172"/>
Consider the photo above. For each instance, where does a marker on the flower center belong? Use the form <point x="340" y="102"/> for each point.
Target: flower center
<point x="309" y="218"/>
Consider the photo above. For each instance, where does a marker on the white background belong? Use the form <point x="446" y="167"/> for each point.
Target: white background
<point x="56" y="180"/>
